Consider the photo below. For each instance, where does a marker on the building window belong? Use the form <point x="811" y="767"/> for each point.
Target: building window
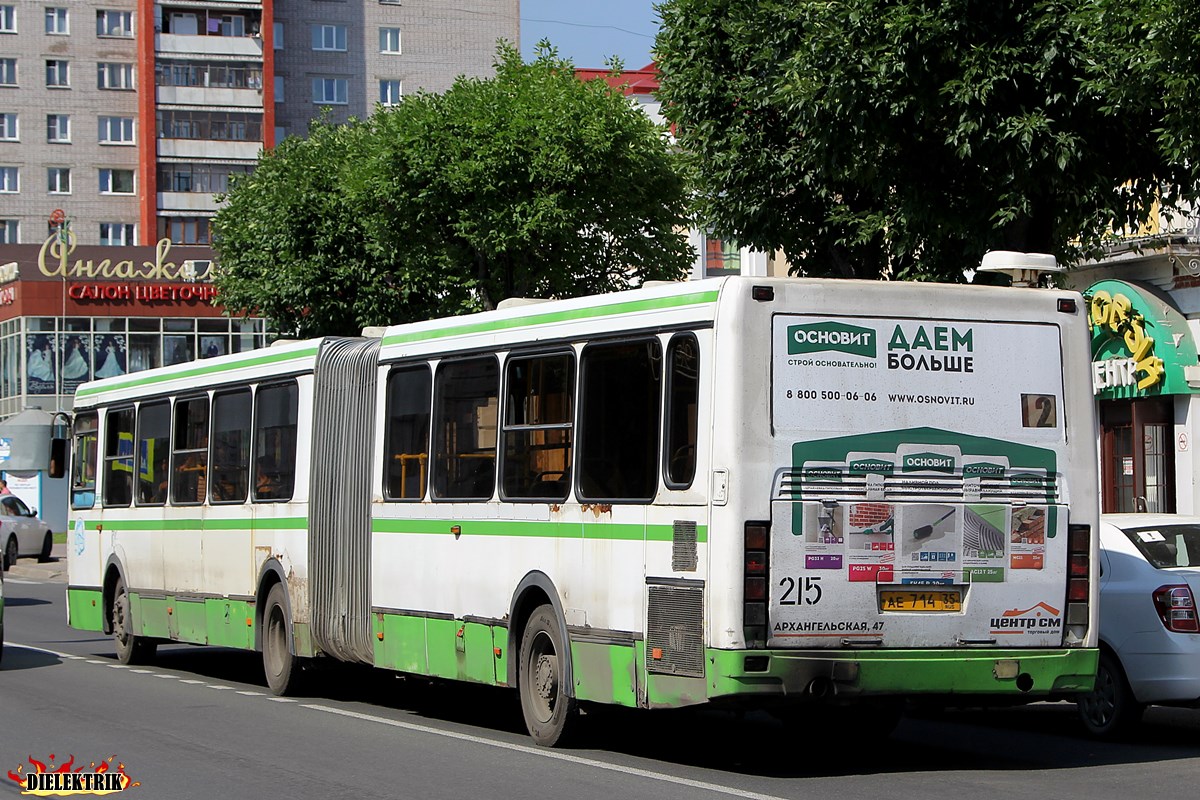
<point x="114" y="23"/>
<point x="184" y="230"/>
<point x="58" y="74"/>
<point x="116" y="181"/>
<point x="9" y="231"/>
<point x="180" y="177"/>
<point x="117" y="233"/>
<point x="56" y="22"/>
<point x="114" y="76"/>
<point x="722" y="257"/>
<point x="277" y="28"/>
<point x="58" y="180"/>
<point x="10" y="179"/>
<point x="58" y="128"/>
<point x="8" y="19"/>
<point x="278" y="90"/>
<point x="389" y="92"/>
<point x="8" y="128"/>
<point x="389" y="40"/>
<point x="230" y="25"/>
<point x="329" y="37"/>
<point x="223" y="126"/>
<point x="8" y="72"/>
<point x="116" y="130"/>
<point x="208" y="74"/>
<point x="330" y="91"/>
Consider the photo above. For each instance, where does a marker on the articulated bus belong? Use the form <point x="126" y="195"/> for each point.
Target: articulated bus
<point x="804" y="496"/>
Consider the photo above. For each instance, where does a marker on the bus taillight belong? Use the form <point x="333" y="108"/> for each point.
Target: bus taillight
<point x="1079" y="554"/>
<point x="754" y="598"/>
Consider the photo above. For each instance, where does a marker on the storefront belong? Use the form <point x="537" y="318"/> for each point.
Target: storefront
<point x="1143" y="355"/>
<point x="69" y="314"/>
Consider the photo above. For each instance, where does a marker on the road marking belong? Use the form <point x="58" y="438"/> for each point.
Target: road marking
<point x="188" y="680"/>
<point x="251" y="694"/>
<point x="532" y="750"/>
<point x="550" y="754"/>
<point x="117" y="666"/>
<point x="143" y="671"/>
<point x="162" y="675"/>
<point x="95" y="661"/>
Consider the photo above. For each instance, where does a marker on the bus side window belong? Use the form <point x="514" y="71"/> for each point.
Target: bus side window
<point x="467" y="399"/>
<point x="118" y="457"/>
<point x="83" y="460"/>
<point x="406" y="452"/>
<point x="275" y="419"/>
<point x="683" y="397"/>
<point x="229" y="473"/>
<point x="538" y="420"/>
<point x="619" y="408"/>
<point x="153" y="442"/>
<point x="189" y="459"/>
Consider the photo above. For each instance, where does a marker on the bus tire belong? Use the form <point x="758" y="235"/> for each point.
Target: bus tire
<point x="1110" y="710"/>
<point x="551" y="713"/>
<point x="131" y="648"/>
<point x="280" y="665"/>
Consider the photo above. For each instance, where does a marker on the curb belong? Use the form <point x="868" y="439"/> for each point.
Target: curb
<point x="54" y="570"/>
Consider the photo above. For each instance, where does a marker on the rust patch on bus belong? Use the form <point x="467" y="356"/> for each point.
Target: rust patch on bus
<point x="597" y="508"/>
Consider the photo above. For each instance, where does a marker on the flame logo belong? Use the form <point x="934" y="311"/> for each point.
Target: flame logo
<point x="99" y="777"/>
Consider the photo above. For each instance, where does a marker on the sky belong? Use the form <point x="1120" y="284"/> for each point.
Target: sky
<point x="588" y="32"/>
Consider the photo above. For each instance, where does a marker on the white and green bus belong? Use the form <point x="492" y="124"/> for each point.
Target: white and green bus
<point x="757" y="492"/>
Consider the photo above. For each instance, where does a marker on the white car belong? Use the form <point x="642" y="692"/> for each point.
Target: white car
<point x="21" y="532"/>
<point x="1149" y="630"/>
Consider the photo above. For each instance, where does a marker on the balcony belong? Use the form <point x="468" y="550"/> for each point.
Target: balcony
<point x="209" y="96"/>
<point x="206" y="148"/>
<point x="188" y="45"/>
<point x="187" y="201"/>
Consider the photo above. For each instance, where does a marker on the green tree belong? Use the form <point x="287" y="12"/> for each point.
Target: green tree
<point x="904" y="138"/>
<point x="531" y="183"/>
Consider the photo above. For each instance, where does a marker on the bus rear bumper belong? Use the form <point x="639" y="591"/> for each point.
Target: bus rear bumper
<point x="999" y="674"/>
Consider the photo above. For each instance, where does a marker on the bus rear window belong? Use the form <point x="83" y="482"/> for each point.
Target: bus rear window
<point x="1168" y="545"/>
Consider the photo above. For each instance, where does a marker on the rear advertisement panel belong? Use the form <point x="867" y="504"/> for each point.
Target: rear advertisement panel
<point x="921" y="506"/>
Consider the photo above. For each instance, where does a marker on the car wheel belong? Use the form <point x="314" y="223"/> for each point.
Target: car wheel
<point x="10" y="553"/>
<point x="47" y="546"/>
<point x="1110" y="709"/>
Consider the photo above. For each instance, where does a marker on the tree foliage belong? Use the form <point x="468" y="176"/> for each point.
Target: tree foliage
<point x="905" y="138"/>
<point x="531" y="183"/>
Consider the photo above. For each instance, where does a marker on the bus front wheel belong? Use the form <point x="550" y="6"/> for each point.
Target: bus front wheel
<point x="131" y="648"/>
<point x="550" y="712"/>
<point x="279" y="664"/>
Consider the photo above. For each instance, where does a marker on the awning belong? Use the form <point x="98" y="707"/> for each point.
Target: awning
<point x="1141" y="345"/>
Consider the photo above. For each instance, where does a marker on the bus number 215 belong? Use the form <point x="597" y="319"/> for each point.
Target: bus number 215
<point x="802" y="592"/>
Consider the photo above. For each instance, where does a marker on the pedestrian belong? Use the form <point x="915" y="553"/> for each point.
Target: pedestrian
<point x="4" y="487"/>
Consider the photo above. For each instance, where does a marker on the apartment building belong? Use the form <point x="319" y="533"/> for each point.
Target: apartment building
<point x="120" y="121"/>
<point x="128" y="116"/>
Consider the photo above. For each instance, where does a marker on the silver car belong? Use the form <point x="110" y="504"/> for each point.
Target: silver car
<point x="1149" y="628"/>
<point x="21" y="532"/>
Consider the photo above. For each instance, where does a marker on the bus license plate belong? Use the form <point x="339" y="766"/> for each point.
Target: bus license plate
<point x="925" y="600"/>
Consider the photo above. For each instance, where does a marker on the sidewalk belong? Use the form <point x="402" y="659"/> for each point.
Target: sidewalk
<point x="53" y="570"/>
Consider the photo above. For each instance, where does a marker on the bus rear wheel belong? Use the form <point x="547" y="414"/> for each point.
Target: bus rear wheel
<point x="551" y="713"/>
<point x="279" y="664"/>
<point x="131" y="649"/>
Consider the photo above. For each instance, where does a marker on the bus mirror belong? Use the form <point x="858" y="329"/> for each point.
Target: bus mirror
<point x="58" y="458"/>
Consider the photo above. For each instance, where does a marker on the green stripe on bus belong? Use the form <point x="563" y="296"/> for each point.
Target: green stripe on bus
<point x="616" y="531"/>
<point x="256" y="360"/>
<point x="632" y="306"/>
<point x="244" y="523"/>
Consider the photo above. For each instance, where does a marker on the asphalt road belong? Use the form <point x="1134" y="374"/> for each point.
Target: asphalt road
<point x="200" y="723"/>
